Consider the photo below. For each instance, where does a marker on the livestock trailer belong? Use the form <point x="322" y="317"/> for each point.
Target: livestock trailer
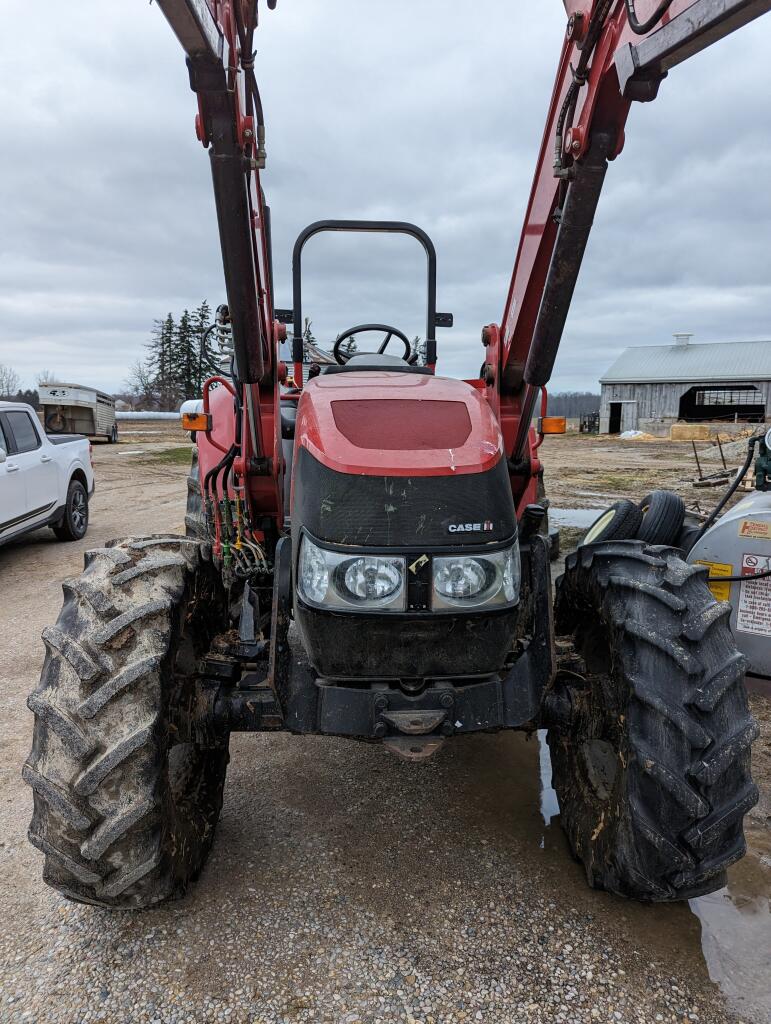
<point x="77" y="409"/>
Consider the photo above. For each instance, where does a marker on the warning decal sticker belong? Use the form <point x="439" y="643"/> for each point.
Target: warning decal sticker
<point x="755" y="528"/>
<point x="720" y="591"/>
<point x="754" y="613"/>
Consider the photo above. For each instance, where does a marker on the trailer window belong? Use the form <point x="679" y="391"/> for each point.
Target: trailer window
<point x="23" y="430"/>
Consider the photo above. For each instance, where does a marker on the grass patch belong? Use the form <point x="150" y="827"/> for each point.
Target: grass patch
<point x="618" y="481"/>
<point x="171" y="456"/>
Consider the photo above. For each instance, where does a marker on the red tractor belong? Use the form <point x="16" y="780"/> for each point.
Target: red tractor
<point x="367" y="550"/>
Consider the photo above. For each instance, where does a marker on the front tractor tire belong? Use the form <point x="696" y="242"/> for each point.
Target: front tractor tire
<point x="126" y="800"/>
<point x="650" y="731"/>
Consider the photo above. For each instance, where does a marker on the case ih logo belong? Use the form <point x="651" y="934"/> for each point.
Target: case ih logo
<point x="485" y="527"/>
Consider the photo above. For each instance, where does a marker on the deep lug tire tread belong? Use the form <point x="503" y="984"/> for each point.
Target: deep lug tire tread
<point x="195" y="520"/>
<point x="113" y="832"/>
<point x="673" y="823"/>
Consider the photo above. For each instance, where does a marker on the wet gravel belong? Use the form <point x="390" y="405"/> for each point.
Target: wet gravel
<point x="344" y="886"/>
<point x="348" y="887"/>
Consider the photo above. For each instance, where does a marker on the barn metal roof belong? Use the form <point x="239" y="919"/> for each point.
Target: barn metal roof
<point x="746" y="361"/>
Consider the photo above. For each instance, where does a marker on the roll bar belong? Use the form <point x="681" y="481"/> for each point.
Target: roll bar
<point x="295" y="316"/>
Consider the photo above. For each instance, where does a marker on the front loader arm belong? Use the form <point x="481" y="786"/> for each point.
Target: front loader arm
<point x="216" y="36"/>
<point x="615" y="52"/>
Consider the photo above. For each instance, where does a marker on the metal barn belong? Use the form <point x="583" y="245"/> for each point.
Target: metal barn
<point x="651" y="387"/>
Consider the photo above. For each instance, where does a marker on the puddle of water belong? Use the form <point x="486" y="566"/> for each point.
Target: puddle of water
<point x="137" y="451"/>
<point x="581" y="517"/>
<point x="550" y="807"/>
<point x="736" y="938"/>
<point x="735" y="921"/>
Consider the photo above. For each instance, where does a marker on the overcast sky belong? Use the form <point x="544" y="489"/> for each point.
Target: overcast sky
<point x="416" y="110"/>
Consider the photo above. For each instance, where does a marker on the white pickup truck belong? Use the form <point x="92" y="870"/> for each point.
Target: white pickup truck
<point x="44" y="481"/>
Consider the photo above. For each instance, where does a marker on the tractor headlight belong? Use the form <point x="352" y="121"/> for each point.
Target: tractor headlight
<point x="470" y="581"/>
<point x="314" y="572"/>
<point x="378" y="582"/>
<point x="369" y="578"/>
<point x="331" y="579"/>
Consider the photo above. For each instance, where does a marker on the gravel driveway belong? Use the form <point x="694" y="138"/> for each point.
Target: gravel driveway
<point x="345" y="885"/>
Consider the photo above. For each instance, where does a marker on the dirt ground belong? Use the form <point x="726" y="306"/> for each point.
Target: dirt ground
<point x="587" y="469"/>
<point x="345" y="886"/>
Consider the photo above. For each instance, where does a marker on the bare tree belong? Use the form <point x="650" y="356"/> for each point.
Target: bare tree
<point x="46" y="377"/>
<point x="140" y="386"/>
<point x="9" y="381"/>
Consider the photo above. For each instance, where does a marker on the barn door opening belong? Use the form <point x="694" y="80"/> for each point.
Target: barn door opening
<point x="727" y="402"/>
<point x="614" y="426"/>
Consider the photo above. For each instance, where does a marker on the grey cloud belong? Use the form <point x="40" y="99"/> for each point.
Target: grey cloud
<point x="415" y="111"/>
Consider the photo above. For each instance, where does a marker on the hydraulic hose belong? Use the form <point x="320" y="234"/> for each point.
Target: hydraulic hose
<point x="642" y="27"/>
<point x="580" y="75"/>
<point x="741" y="579"/>
<point x="731" y="490"/>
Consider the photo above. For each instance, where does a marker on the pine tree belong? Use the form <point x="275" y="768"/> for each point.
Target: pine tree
<point x="207" y="362"/>
<point x="185" y="358"/>
<point x="161" y="362"/>
<point x="180" y="357"/>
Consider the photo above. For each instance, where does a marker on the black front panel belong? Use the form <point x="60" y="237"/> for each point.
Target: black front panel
<point x="364" y="646"/>
<point x="417" y="516"/>
<point x="402" y="511"/>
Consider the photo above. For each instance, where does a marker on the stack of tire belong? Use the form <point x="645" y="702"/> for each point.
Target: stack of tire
<point x="660" y="518"/>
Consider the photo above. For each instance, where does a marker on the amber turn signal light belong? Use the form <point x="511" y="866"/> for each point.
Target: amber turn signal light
<point x="554" y="425"/>
<point x="196" y="421"/>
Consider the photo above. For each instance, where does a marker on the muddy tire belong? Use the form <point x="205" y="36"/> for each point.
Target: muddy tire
<point x="195" y="521"/>
<point x="650" y="735"/>
<point x="124" y="810"/>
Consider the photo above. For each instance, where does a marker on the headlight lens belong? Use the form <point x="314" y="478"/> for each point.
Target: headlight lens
<point x="314" y="573"/>
<point x="331" y="579"/>
<point x="470" y="581"/>
<point x="461" y="578"/>
<point x="370" y="578"/>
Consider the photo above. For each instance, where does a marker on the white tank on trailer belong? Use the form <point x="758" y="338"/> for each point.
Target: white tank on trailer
<point x="739" y="545"/>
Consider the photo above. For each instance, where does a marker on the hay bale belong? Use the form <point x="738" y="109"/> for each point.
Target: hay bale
<point x="689" y="432"/>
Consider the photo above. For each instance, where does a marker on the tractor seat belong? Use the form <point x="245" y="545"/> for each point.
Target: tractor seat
<point x="375" y="361"/>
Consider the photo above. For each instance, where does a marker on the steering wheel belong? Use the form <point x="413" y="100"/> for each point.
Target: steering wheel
<point x="342" y="358"/>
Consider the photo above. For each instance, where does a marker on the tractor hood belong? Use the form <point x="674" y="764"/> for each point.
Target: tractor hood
<point x="397" y="424"/>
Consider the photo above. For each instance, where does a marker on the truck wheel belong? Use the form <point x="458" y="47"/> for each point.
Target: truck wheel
<point x="125" y="804"/>
<point x="619" y="522"/>
<point x="650" y="736"/>
<point x="195" y="521"/>
<point x="663" y="516"/>
<point x="74" y="522"/>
